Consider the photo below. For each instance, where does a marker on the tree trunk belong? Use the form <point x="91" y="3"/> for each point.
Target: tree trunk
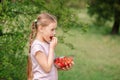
<point x="115" y="28"/>
<point x="1" y="1"/>
<point x="1" y="32"/>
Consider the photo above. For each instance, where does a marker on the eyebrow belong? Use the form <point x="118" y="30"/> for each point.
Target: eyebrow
<point x="55" y="28"/>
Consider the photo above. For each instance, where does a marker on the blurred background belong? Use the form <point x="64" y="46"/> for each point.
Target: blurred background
<point x="88" y="30"/>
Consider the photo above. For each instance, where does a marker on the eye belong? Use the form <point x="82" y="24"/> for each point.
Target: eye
<point x="53" y="29"/>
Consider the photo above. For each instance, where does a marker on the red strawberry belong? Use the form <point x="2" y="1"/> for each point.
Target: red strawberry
<point x="62" y="62"/>
<point x="51" y="37"/>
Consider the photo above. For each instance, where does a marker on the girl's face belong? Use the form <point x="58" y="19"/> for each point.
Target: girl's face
<point x="48" y="32"/>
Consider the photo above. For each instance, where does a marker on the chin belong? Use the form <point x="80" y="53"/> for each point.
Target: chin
<point x="48" y="41"/>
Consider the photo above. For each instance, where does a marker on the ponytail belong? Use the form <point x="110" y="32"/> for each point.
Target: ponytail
<point x="29" y="65"/>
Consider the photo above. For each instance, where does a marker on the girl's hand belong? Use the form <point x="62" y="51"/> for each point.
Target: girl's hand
<point x="67" y="67"/>
<point x="64" y="63"/>
<point x="53" y="42"/>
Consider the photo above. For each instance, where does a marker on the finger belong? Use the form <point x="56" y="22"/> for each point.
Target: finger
<point x="63" y="68"/>
<point x="55" y="39"/>
<point x="72" y="63"/>
<point x="67" y="67"/>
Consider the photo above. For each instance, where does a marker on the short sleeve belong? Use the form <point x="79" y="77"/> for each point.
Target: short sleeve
<point x="36" y="48"/>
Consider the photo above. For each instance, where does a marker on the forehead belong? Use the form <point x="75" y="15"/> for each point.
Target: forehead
<point x="52" y="25"/>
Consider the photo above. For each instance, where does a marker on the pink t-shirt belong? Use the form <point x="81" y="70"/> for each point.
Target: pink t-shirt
<point x="38" y="72"/>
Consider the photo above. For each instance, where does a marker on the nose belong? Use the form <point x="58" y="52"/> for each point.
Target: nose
<point x="54" y="33"/>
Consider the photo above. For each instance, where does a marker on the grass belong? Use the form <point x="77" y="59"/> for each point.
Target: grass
<point x="96" y="57"/>
<point x="96" y="54"/>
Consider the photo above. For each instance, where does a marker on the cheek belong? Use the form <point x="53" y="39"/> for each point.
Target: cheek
<point x="46" y="34"/>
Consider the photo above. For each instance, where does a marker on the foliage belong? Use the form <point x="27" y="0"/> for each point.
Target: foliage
<point x="15" y="19"/>
<point x="12" y="59"/>
<point x="104" y="11"/>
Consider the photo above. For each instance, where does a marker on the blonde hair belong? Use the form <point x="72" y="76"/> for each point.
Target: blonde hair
<point x="44" y="19"/>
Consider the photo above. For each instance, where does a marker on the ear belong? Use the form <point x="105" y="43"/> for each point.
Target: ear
<point x="40" y="29"/>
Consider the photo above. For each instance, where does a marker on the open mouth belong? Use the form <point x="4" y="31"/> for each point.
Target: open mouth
<point x="51" y="37"/>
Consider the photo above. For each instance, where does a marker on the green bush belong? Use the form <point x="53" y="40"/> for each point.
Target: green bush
<point x="15" y="21"/>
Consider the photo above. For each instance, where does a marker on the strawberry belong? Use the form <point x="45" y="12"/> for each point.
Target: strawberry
<point x="51" y="37"/>
<point x="62" y="62"/>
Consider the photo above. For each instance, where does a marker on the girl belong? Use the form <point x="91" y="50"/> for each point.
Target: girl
<point x="42" y="45"/>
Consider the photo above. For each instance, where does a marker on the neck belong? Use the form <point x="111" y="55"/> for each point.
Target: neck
<point x="40" y="38"/>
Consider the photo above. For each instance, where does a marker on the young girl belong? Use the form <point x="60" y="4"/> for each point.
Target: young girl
<point x="42" y="45"/>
